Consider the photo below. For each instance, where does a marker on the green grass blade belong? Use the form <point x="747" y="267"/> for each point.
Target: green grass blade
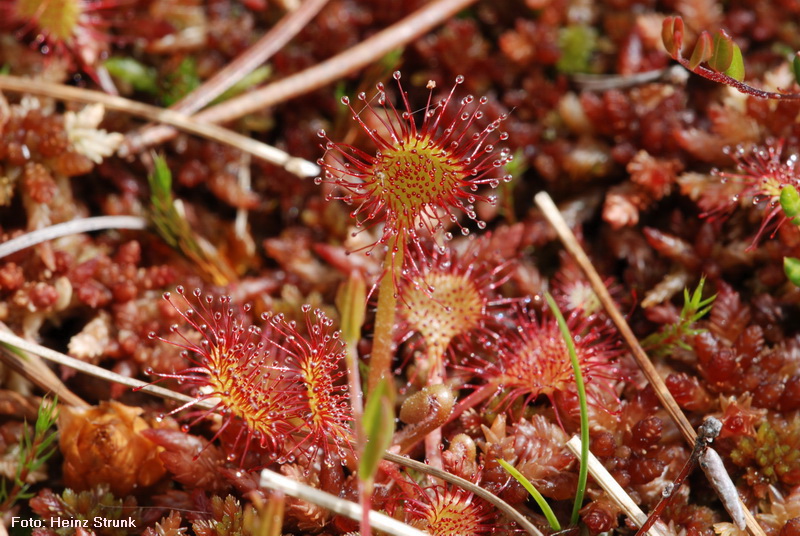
<point x="519" y="477"/>
<point x="581" y="387"/>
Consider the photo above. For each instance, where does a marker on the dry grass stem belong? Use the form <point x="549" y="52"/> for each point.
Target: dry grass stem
<point x="273" y="480"/>
<point x="263" y="49"/>
<point x="615" y="491"/>
<point x="551" y="212"/>
<point x="605" y="82"/>
<point x="93" y="370"/>
<point x="333" y="69"/>
<point x="298" y="166"/>
<point x="31" y="367"/>
<point x="82" y="225"/>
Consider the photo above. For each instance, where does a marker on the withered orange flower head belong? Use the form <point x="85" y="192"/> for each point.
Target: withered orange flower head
<point x="102" y="444"/>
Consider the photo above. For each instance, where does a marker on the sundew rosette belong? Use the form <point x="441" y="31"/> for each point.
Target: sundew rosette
<point x="421" y="178"/>
<point x="280" y="380"/>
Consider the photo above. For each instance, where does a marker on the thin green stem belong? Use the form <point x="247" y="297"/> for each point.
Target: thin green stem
<point x="541" y="501"/>
<point x="380" y="363"/>
<point x="581" y="387"/>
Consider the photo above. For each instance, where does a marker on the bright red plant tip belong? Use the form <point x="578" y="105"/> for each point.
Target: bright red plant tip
<point x="279" y="383"/>
<point x="420" y="177"/>
<point x="764" y="173"/>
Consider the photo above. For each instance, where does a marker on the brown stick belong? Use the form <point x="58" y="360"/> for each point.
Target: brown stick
<point x="263" y="49"/>
<point x="551" y="212"/>
<point x="298" y="166"/>
<point x="31" y="367"/>
<point x="330" y="70"/>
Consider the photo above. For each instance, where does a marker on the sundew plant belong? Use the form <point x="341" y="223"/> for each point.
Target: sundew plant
<point x="278" y="287"/>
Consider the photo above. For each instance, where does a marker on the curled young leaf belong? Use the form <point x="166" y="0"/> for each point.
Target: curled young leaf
<point x="138" y="75"/>
<point x="796" y="66"/>
<point x="351" y="301"/>
<point x="722" y="55"/>
<point x="672" y="35"/>
<point x="378" y="428"/>
<point x="702" y="51"/>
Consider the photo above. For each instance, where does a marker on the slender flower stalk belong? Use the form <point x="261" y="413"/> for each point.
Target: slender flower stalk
<point x="417" y="182"/>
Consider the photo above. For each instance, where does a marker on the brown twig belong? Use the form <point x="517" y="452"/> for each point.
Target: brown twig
<point x="298" y="166"/>
<point x="6" y="337"/>
<point x="332" y="69"/>
<point x="551" y="212"/>
<point x="615" y="491"/>
<point x="30" y="366"/>
<point x="260" y="52"/>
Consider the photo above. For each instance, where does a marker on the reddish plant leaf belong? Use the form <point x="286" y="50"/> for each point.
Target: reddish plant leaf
<point x="703" y="51"/>
<point x="672" y="35"/>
